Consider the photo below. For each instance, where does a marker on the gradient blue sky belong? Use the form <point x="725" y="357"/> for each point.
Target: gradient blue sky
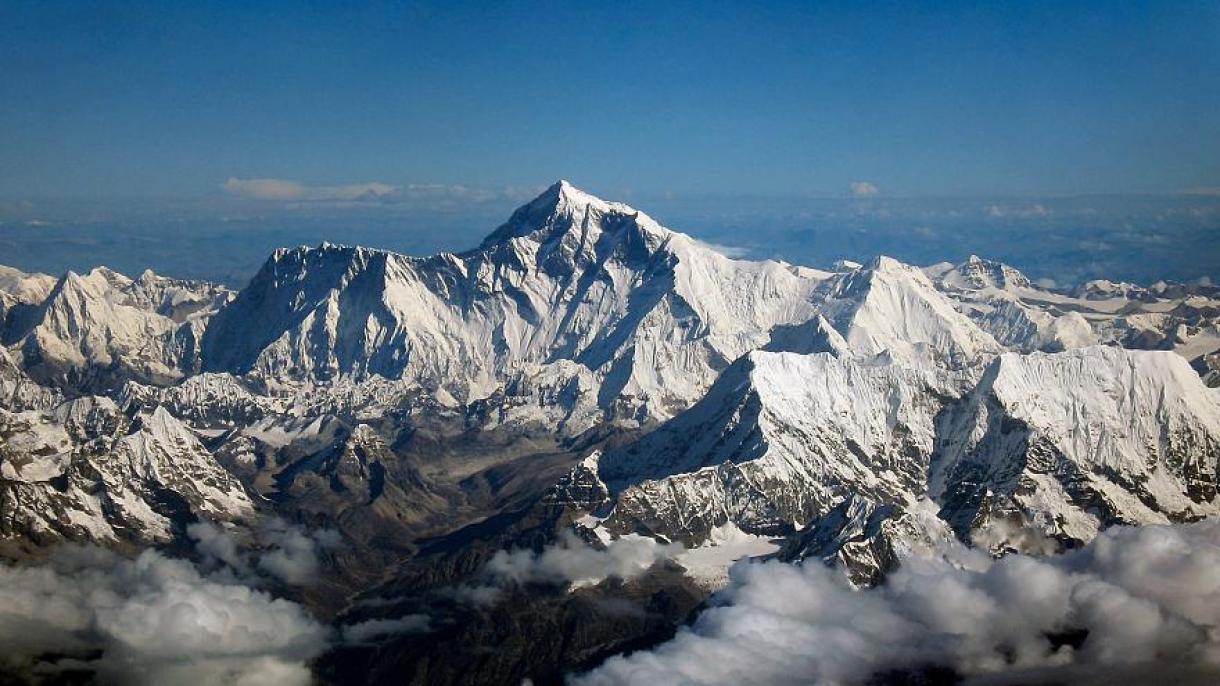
<point x="169" y="99"/>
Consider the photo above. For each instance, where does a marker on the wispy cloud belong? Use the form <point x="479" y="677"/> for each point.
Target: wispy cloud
<point x="371" y="630"/>
<point x="732" y="251"/>
<point x="284" y="189"/>
<point x="296" y="193"/>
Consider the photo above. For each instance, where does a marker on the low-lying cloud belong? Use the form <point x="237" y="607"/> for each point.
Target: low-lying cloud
<point x="370" y="630"/>
<point x="1135" y="601"/>
<point x="148" y="620"/>
<point x="570" y="562"/>
<point x="1017" y="211"/>
<point x="294" y="554"/>
<point x="285" y="552"/>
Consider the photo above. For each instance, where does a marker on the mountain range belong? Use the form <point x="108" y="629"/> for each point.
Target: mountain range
<point x="589" y="379"/>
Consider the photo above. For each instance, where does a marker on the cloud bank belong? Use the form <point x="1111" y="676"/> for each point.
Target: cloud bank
<point x="149" y="620"/>
<point x="1135" y="601"/>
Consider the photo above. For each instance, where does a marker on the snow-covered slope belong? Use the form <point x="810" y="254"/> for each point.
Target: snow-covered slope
<point x="1044" y="450"/>
<point x="977" y="274"/>
<point x="1007" y="305"/>
<point x="382" y="391"/>
<point x="894" y="308"/>
<point x="777" y="442"/>
<point x="177" y="299"/>
<point x="95" y="331"/>
<point x="1021" y="327"/>
<point x="1069" y="443"/>
<point x="25" y="287"/>
<point x="85" y="472"/>
<point x="1025" y="317"/>
<point x="18" y="392"/>
<point x="651" y="312"/>
<point x="869" y="538"/>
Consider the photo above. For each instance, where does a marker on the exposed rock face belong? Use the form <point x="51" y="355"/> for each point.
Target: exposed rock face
<point x="870" y="539"/>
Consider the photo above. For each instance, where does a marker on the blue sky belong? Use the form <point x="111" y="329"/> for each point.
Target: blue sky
<point x="172" y="99"/>
<point x="1075" y="140"/>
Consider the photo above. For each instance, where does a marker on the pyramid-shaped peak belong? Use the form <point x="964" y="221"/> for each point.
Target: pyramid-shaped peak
<point x="884" y="263"/>
<point x="562" y="207"/>
<point x="563" y="194"/>
<point x="74" y="283"/>
<point x="978" y="273"/>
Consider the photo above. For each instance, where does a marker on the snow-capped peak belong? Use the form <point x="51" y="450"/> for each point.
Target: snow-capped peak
<point x="892" y="307"/>
<point x="562" y="209"/>
<point x="977" y="273"/>
<point x="885" y="263"/>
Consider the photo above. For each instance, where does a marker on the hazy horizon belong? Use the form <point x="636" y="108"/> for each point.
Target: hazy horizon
<point x="132" y="133"/>
<point x="1060" y="240"/>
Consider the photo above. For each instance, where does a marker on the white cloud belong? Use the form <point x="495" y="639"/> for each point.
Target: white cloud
<point x="570" y="562"/>
<point x="216" y="546"/>
<point x="293" y="557"/>
<point x="864" y="189"/>
<point x="1144" y="600"/>
<point x="287" y="552"/>
<point x="149" y="620"/>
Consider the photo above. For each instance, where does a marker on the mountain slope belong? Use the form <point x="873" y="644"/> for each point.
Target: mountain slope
<point x="1070" y="443"/>
<point x="777" y="442"/>
<point x="99" y="330"/>
<point x="85" y="472"/>
<point x="893" y="308"/>
<point x="569" y="277"/>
